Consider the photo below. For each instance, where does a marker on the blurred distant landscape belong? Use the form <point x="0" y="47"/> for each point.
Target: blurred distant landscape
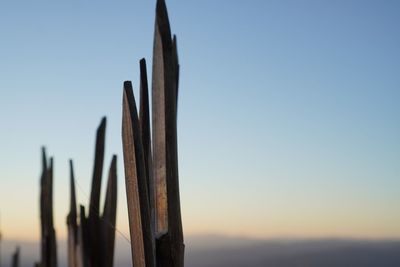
<point x="213" y="251"/>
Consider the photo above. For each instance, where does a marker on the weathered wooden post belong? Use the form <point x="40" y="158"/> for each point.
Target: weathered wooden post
<point x="151" y="168"/>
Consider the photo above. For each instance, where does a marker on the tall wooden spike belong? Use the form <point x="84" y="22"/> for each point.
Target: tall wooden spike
<point x="43" y="200"/>
<point x="170" y="247"/>
<point x="53" y="255"/>
<point x="50" y="191"/>
<point x="136" y="184"/>
<point x="144" y="118"/>
<point x="48" y="235"/>
<point x="72" y="222"/>
<point x="161" y="60"/>
<point x="94" y="205"/>
<point x="109" y="216"/>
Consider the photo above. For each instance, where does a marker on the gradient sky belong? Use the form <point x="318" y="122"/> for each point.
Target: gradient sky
<point x="289" y="113"/>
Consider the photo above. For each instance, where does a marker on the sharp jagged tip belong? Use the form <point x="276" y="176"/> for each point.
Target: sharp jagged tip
<point x="44" y="158"/>
<point x="94" y="203"/>
<point x="73" y="211"/>
<point x="103" y="122"/>
<point x="130" y="98"/>
<point x="162" y="20"/>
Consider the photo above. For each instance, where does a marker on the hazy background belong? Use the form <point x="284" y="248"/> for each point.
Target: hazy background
<point x="220" y="251"/>
<point x="289" y="113"/>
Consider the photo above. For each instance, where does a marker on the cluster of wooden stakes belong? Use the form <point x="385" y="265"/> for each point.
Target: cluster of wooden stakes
<point x="151" y="176"/>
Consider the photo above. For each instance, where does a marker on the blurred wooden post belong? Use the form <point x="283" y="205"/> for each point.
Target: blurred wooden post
<point x="72" y="222"/>
<point x="48" y="240"/>
<point x="91" y="242"/>
<point x="15" y="258"/>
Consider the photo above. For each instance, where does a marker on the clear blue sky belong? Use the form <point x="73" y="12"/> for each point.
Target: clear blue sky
<point x="289" y="113"/>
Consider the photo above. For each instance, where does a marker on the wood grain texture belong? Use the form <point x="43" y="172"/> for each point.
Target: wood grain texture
<point x="142" y="241"/>
<point x="170" y="247"/>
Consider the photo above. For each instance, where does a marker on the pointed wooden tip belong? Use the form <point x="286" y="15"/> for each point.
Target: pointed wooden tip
<point x="162" y="19"/>
<point x="72" y="176"/>
<point x="51" y="163"/>
<point x="175" y="48"/>
<point x="72" y="189"/>
<point x="71" y="168"/>
<point x="142" y="63"/>
<point x="161" y="4"/>
<point x="143" y="74"/>
<point x="94" y="203"/>
<point x="114" y="161"/>
<point x="44" y="158"/>
<point x="144" y="95"/>
<point x="102" y="126"/>
<point x="127" y="86"/>
<point x="129" y="97"/>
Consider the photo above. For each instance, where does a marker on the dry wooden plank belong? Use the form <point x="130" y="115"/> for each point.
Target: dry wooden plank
<point x="162" y="36"/>
<point x="136" y="184"/>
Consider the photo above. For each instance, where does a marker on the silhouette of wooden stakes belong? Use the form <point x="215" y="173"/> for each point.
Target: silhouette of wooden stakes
<point x="91" y="242"/>
<point x="151" y="168"/>
<point x="48" y="234"/>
